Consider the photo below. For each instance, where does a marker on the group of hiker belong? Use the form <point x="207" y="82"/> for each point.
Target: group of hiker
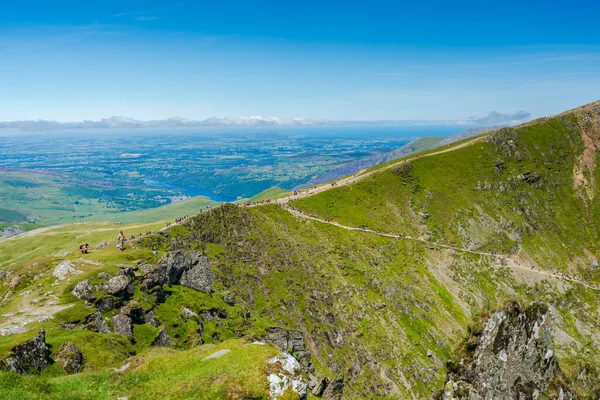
<point x="253" y="203"/>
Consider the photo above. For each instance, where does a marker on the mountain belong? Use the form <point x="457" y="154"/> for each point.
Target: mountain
<point x="468" y="271"/>
<point x="124" y="122"/>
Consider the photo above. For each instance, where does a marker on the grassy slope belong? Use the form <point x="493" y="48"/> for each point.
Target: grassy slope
<point x="359" y="297"/>
<point x="271" y="193"/>
<point x="160" y="373"/>
<point x="33" y="196"/>
<point x="415" y="146"/>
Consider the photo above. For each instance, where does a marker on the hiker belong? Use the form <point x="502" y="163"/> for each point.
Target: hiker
<point x="85" y="248"/>
<point x="121" y="241"/>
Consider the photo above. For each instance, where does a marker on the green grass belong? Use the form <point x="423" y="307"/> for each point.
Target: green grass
<point x="272" y="193"/>
<point x="356" y="296"/>
<point x="160" y="373"/>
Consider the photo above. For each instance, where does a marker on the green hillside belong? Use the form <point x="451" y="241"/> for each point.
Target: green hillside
<point x="383" y="278"/>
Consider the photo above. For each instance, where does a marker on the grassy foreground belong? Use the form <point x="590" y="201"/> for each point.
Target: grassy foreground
<point x="159" y="373"/>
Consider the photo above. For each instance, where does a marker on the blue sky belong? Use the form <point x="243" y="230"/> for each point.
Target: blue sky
<point x="338" y="60"/>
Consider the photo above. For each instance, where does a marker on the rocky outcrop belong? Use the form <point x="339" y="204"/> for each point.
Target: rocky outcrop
<point x="30" y="356"/>
<point x="510" y="357"/>
<point x="198" y="276"/>
<point x="122" y="325"/>
<point x="105" y="304"/>
<point x="287" y="340"/>
<point x="63" y="270"/>
<point x="163" y="339"/>
<point x="119" y="285"/>
<point x="287" y="377"/>
<point x="134" y="311"/>
<point x="84" y="290"/>
<point x="335" y="389"/>
<point x="96" y="323"/>
<point x="70" y="357"/>
<point x="178" y="268"/>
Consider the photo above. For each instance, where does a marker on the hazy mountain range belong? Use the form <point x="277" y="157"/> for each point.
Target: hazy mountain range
<point x="493" y="118"/>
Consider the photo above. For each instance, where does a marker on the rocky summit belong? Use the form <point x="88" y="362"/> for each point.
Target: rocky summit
<point x="469" y="271"/>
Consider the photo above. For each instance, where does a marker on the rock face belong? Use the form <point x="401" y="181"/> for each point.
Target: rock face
<point x="30" y="356"/>
<point x="289" y="377"/>
<point x="335" y="389"/>
<point x="287" y="340"/>
<point x="512" y="357"/>
<point x="84" y="290"/>
<point x="163" y="339"/>
<point x="70" y="357"/>
<point x="199" y="276"/>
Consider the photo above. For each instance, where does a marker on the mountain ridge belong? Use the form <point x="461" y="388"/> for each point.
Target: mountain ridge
<point x="379" y="316"/>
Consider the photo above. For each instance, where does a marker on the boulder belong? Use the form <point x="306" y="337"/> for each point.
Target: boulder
<point x="102" y="245"/>
<point x="117" y="286"/>
<point x="104" y="276"/>
<point x="84" y="290"/>
<point x="96" y="323"/>
<point x="174" y="263"/>
<point x="229" y="298"/>
<point x="155" y="276"/>
<point x="14" y="282"/>
<point x="163" y="339"/>
<point x="287" y="376"/>
<point x="70" y="357"/>
<point x="199" y="276"/>
<point x="108" y="303"/>
<point x="63" y="269"/>
<point x="150" y="319"/>
<point x="30" y="356"/>
<point x="511" y="357"/>
<point x="122" y="325"/>
<point x="134" y="311"/>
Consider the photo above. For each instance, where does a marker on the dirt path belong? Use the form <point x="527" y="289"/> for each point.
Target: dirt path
<point x="510" y="263"/>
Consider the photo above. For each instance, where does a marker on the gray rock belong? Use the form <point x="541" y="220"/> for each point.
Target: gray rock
<point x="122" y="325"/>
<point x="70" y="357"/>
<point x="174" y="263"/>
<point x="134" y="311"/>
<point x="117" y="285"/>
<point x="150" y="319"/>
<point x="186" y="314"/>
<point x="96" y="323"/>
<point x="155" y="276"/>
<point x="334" y="389"/>
<point x="63" y="270"/>
<point x="2" y="274"/>
<point x="105" y="304"/>
<point x="84" y="290"/>
<point x="102" y="245"/>
<point x="287" y="340"/>
<point x="104" y="276"/>
<point x="30" y="356"/>
<point x="513" y="357"/>
<point x="199" y="276"/>
<point x="317" y="385"/>
<point x="163" y="339"/>
<point x="229" y="299"/>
